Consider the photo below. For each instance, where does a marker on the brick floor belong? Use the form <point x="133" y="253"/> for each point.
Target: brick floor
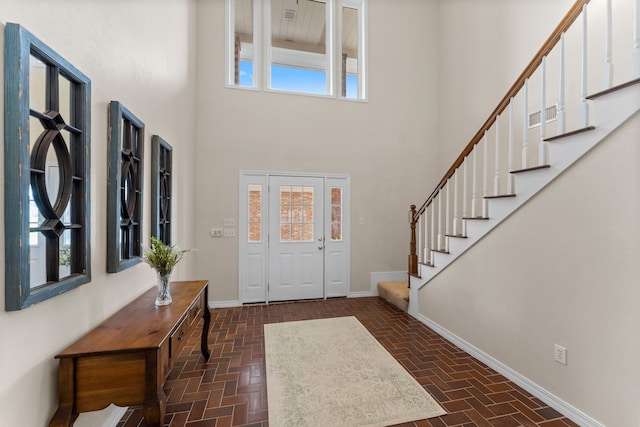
<point x="230" y="389"/>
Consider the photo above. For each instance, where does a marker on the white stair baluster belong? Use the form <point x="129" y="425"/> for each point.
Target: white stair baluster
<point x="427" y="219"/>
<point x="608" y="50"/>
<point x="485" y="174"/>
<point x="496" y="178"/>
<point x="561" y="90"/>
<point x="510" y="176"/>
<point x="433" y="230"/>
<point x="474" y="183"/>
<point x="584" y="106"/>
<point x="525" y="127"/>
<point x="543" y="149"/>
<point x="447" y="217"/>
<point x="465" y="196"/>
<point x="440" y="233"/>
<point x="636" y="42"/>
<point x="419" y="251"/>
<point x="456" y="213"/>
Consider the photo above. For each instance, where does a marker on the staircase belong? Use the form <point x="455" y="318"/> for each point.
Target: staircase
<point x="524" y="144"/>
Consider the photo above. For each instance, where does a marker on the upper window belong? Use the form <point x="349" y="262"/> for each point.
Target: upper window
<point x="311" y="46"/>
<point x="47" y="148"/>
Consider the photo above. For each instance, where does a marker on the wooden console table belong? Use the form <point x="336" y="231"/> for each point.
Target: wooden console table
<point x="127" y="358"/>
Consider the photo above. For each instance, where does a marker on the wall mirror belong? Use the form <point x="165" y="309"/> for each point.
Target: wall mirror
<point x="47" y="161"/>
<point x="124" y="192"/>
<point x="161" y="189"/>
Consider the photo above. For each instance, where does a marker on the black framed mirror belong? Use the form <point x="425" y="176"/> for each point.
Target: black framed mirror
<point x="47" y="170"/>
<point x="125" y="188"/>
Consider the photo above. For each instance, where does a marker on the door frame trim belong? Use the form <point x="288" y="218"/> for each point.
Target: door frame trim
<point x="261" y="249"/>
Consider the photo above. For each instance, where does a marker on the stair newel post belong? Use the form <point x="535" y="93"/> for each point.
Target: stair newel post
<point x="525" y="127"/>
<point x="636" y="42"/>
<point x="474" y="182"/>
<point x="584" y="106"/>
<point x="496" y="178"/>
<point x="413" y="258"/>
<point x="485" y="174"/>
<point x="456" y="213"/>
<point x="608" y="49"/>
<point x="543" y="149"/>
<point x="561" y="90"/>
<point x="510" y="177"/>
<point x="465" y="196"/>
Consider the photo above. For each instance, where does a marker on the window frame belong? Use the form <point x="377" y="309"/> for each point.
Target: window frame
<point x="330" y="60"/>
<point x="118" y="113"/>
<point x="20" y="45"/>
<point x="230" y="45"/>
<point x="262" y="49"/>
<point x="362" y="7"/>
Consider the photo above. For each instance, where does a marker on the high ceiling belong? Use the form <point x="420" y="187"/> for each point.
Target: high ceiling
<point x="298" y="25"/>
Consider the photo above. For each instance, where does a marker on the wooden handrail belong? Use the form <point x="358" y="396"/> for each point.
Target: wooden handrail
<point x="564" y="25"/>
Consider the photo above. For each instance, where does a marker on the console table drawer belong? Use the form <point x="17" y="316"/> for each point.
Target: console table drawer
<point x="196" y="310"/>
<point x="178" y="339"/>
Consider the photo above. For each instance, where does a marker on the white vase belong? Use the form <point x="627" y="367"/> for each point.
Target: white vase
<point x="164" y="289"/>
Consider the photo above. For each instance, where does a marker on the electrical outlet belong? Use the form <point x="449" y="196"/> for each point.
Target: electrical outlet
<point x="229" y="222"/>
<point x="229" y="232"/>
<point x="215" y="232"/>
<point x="560" y="354"/>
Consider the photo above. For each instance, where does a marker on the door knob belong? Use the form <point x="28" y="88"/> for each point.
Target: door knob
<point x="320" y="247"/>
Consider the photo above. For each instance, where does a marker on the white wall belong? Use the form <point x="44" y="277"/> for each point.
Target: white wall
<point x="562" y="270"/>
<point x="387" y="145"/>
<point x="140" y="53"/>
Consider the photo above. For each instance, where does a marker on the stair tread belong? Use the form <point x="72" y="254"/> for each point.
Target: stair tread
<point x="476" y="217"/>
<point x="500" y="196"/>
<point x="614" y="88"/>
<point x="397" y="293"/>
<point x="533" y="168"/>
<point x="457" y="236"/>
<point x="440" y="251"/>
<point x="567" y="134"/>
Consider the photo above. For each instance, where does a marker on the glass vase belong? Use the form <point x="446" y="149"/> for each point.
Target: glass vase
<point x="164" y="289"/>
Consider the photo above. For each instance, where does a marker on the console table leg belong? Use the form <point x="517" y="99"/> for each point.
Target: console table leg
<point x="154" y="409"/>
<point x="64" y="415"/>
<point x="204" y="341"/>
<point x="155" y="401"/>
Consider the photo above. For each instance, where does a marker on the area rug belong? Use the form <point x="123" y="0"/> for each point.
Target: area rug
<point x="333" y="373"/>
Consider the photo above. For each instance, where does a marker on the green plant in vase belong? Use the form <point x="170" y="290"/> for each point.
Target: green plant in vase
<point x="163" y="258"/>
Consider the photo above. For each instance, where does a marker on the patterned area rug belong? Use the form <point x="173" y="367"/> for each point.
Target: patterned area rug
<point x="333" y="373"/>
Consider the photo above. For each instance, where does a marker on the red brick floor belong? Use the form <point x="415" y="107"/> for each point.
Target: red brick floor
<point x="230" y="389"/>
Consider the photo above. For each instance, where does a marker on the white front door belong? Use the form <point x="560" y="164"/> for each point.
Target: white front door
<point x="293" y="236"/>
<point x="296" y="238"/>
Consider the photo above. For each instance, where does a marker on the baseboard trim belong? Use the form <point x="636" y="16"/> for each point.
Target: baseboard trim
<point x="385" y="276"/>
<point x="224" y="304"/>
<point x="361" y="294"/>
<point x="550" y="399"/>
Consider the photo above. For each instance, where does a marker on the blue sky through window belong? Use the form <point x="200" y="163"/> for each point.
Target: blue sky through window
<point x="296" y="79"/>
